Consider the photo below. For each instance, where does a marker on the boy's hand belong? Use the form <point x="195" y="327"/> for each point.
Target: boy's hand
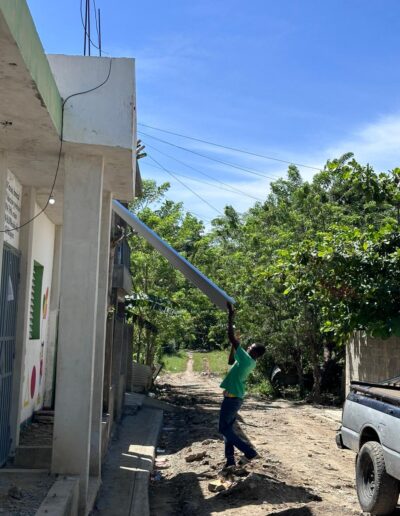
<point x="231" y="335"/>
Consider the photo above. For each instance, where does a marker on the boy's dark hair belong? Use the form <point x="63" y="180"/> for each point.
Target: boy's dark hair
<point x="259" y="350"/>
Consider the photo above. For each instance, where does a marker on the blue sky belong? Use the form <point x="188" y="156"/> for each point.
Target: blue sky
<point x="300" y="80"/>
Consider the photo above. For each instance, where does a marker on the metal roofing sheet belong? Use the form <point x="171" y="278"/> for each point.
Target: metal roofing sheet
<point x="210" y="289"/>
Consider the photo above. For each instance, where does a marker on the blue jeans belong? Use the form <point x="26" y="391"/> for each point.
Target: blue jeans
<point x="227" y="417"/>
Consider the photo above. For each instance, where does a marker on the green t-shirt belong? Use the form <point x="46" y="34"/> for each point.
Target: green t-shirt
<point x="235" y="380"/>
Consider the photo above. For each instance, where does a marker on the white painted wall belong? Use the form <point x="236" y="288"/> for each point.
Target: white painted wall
<point x="35" y="357"/>
<point x="106" y="116"/>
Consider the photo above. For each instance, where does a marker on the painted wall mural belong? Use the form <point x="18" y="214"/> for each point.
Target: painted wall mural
<point x="33" y="382"/>
<point x="37" y="342"/>
<point x="37" y="372"/>
<point x="45" y="305"/>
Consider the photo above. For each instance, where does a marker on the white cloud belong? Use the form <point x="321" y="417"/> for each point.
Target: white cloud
<point x="376" y="143"/>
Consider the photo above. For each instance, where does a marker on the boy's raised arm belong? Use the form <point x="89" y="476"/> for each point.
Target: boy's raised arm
<point x="231" y="359"/>
<point x="231" y="333"/>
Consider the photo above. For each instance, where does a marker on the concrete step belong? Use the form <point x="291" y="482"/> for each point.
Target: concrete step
<point x="62" y="499"/>
<point x="133" y="398"/>
<point x="132" y="403"/>
<point x="33" y="457"/>
<point x="126" y="472"/>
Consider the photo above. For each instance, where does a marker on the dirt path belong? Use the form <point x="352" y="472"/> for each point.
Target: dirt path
<point x="301" y="473"/>
<point x="188" y="374"/>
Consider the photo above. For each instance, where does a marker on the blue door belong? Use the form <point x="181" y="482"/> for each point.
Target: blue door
<point x="8" y="318"/>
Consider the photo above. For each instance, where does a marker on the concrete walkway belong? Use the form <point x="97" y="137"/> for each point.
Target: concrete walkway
<point x="126" y="472"/>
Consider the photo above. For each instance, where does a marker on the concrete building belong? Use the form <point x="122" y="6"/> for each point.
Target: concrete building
<point x="67" y="134"/>
<point x="54" y="295"/>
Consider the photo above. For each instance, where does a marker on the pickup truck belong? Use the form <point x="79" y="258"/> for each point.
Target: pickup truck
<point x="371" y="428"/>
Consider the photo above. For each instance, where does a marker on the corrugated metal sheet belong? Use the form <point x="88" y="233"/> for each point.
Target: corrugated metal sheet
<point x="8" y="316"/>
<point x="141" y="378"/>
<point x="212" y="291"/>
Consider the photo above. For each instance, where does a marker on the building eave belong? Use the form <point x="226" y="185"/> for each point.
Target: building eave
<point x="18" y="18"/>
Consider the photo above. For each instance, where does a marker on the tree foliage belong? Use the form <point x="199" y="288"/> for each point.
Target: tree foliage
<point x="314" y="262"/>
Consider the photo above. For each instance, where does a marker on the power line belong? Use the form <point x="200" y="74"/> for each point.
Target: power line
<point x="238" y="192"/>
<point x="60" y="151"/>
<point x="202" y="219"/>
<point x="242" y="151"/>
<point x="97" y="23"/>
<point x="248" y="170"/>
<point x="186" y="186"/>
<point x="87" y="34"/>
<point x="198" y="216"/>
<point x="229" y="188"/>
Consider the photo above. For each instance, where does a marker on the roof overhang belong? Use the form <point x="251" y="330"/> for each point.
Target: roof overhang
<point x="191" y="273"/>
<point x="30" y="103"/>
<point x="32" y="89"/>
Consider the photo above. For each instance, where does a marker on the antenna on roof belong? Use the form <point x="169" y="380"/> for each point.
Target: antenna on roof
<point x="99" y="31"/>
<point x="86" y="23"/>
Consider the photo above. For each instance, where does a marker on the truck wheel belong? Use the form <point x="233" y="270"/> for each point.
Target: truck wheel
<point x="377" y="491"/>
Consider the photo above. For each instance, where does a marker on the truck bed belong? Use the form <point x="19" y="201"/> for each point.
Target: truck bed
<point x="387" y="393"/>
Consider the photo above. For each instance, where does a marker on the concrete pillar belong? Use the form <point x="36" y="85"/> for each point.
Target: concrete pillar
<point x="118" y="343"/>
<point x="102" y="302"/>
<point x="108" y="404"/>
<point x="3" y="193"/>
<point x="50" y="369"/>
<point x="28" y="206"/>
<point x="77" y="320"/>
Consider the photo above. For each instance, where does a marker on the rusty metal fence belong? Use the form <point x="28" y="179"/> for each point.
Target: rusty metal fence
<point x="8" y="316"/>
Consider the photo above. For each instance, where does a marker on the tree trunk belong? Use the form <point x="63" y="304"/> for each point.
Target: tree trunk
<point x="139" y="343"/>
<point x="148" y="346"/>
<point x="299" y="369"/>
<point x="316" y="391"/>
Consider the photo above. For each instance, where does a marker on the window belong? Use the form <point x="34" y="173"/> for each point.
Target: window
<point x="36" y="301"/>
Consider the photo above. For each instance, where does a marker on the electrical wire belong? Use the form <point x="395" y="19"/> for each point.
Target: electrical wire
<point x="200" y="217"/>
<point x="248" y="170"/>
<point x="238" y="192"/>
<point x="186" y="186"/>
<point x="60" y="151"/>
<point x="97" y="22"/>
<point x="196" y="215"/>
<point x="87" y="34"/>
<point x="229" y="188"/>
<point x="84" y="28"/>
<point x="242" y="151"/>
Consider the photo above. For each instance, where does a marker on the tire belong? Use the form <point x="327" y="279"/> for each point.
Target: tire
<point x="377" y="491"/>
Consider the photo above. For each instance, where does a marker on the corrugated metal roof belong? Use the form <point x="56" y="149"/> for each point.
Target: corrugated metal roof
<point x="210" y="289"/>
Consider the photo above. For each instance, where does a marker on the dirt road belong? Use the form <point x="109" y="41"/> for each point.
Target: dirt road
<point x="301" y="472"/>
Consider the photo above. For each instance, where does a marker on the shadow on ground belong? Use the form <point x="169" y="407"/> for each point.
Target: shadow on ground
<point x="299" y="511"/>
<point x="182" y="495"/>
<point x="198" y="416"/>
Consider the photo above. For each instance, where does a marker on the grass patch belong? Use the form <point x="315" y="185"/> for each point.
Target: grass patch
<point x="217" y="362"/>
<point x="175" y="363"/>
<point x="258" y="384"/>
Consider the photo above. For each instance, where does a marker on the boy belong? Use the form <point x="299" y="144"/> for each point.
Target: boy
<point x="234" y="385"/>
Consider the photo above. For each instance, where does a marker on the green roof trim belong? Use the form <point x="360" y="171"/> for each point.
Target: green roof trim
<point x="21" y="25"/>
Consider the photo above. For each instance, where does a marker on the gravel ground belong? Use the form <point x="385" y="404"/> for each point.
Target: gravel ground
<point x="22" y="493"/>
<point x="301" y="472"/>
